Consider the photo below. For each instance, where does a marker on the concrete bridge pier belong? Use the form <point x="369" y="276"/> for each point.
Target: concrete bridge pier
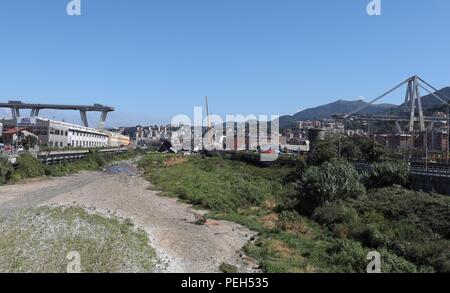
<point x="101" y="125"/>
<point x="15" y="112"/>
<point x="84" y="118"/>
<point x="34" y="112"/>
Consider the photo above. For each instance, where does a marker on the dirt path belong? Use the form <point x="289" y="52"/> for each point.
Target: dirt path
<point x="182" y="245"/>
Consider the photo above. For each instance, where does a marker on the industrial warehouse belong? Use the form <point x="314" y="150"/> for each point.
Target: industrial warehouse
<point x="34" y="131"/>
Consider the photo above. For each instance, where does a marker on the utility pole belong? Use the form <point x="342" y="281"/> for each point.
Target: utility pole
<point x="339" y="147"/>
<point x="425" y="142"/>
<point x="447" y="140"/>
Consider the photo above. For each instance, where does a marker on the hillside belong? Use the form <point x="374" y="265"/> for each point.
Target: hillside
<point x="338" y="107"/>
<point x="429" y="102"/>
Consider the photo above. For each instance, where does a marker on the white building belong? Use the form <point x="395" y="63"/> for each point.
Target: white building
<point x="57" y="134"/>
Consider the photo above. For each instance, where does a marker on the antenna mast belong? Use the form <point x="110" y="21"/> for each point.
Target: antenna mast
<point x="209" y="120"/>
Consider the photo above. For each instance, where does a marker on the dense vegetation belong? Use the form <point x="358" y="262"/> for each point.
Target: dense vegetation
<point x="354" y="149"/>
<point x="336" y="230"/>
<point x="28" y="166"/>
<point x="319" y="216"/>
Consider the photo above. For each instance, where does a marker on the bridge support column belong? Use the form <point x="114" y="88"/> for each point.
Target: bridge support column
<point x="84" y="118"/>
<point x="101" y="125"/>
<point x="399" y="128"/>
<point x="34" y="112"/>
<point x="15" y="113"/>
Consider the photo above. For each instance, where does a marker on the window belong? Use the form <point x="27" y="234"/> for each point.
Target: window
<point x="61" y="144"/>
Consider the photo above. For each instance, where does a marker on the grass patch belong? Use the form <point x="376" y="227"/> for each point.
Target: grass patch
<point x="29" y="167"/>
<point x="38" y="240"/>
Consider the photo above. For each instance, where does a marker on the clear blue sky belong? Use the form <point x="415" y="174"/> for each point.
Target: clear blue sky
<point x="152" y="59"/>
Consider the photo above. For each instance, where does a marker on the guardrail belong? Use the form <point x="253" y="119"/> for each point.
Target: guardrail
<point x="58" y="157"/>
<point x="431" y="169"/>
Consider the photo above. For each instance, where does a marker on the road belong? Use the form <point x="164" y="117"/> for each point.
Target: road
<point x="182" y="246"/>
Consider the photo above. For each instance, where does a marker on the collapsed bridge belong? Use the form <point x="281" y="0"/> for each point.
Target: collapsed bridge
<point x="16" y="106"/>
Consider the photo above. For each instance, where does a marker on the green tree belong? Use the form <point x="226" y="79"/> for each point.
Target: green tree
<point x="329" y="182"/>
<point x="372" y="151"/>
<point x="323" y="151"/>
<point x="350" y="149"/>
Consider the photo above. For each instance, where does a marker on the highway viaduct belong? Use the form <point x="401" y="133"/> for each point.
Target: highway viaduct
<point x="16" y="106"/>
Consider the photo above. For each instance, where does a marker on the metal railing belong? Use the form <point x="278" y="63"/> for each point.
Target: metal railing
<point x="58" y="157"/>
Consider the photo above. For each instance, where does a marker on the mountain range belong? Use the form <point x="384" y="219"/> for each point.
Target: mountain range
<point x="338" y="107"/>
<point x="429" y="102"/>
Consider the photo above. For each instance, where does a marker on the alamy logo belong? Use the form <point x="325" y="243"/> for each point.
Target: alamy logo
<point x="374" y="8"/>
<point x="74" y="266"/>
<point x="374" y="265"/>
<point x="74" y="8"/>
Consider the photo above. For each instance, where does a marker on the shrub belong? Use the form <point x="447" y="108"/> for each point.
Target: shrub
<point x="29" y="166"/>
<point x="335" y="214"/>
<point x="355" y="256"/>
<point x="96" y="158"/>
<point x="391" y="263"/>
<point x="297" y="173"/>
<point x="341" y="231"/>
<point x="348" y="252"/>
<point x="5" y="170"/>
<point x="322" y="151"/>
<point x="413" y="225"/>
<point x="426" y="211"/>
<point x="371" y="236"/>
<point x="331" y="181"/>
<point x="387" y="174"/>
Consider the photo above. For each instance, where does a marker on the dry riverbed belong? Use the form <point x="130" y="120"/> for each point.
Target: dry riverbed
<point x="181" y="244"/>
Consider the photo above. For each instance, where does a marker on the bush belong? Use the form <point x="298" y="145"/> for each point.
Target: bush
<point x="335" y="214"/>
<point x="348" y="252"/>
<point x="387" y="174"/>
<point x="5" y="170"/>
<point x="331" y="181"/>
<point x="322" y="151"/>
<point x="355" y="256"/>
<point x="29" y="166"/>
<point x="413" y="225"/>
<point x="297" y="173"/>
<point x="426" y="211"/>
<point x="96" y="158"/>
